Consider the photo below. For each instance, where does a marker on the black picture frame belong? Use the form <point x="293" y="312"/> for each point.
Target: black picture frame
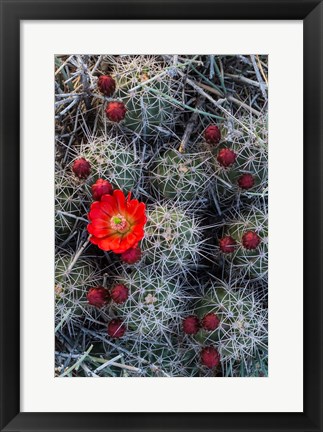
<point x="12" y="12"/>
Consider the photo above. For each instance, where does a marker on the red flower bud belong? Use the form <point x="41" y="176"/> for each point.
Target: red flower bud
<point x="210" y="322"/>
<point x="116" y="328"/>
<point x="116" y="111"/>
<point x="250" y="240"/>
<point x="98" y="296"/>
<point x="226" y="157"/>
<point x="131" y="255"/>
<point x="101" y="187"/>
<point x="212" y="134"/>
<point x="107" y="85"/>
<point x="191" y="324"/>
<point x="210" y="357"/>
<point x="119" y="293"/>
<point x="246" y="181"/>
<point x="81" y="168"/>
<point x="227" y="244"/>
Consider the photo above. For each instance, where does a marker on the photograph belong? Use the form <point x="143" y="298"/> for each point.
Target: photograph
<point x="161" y="215"/>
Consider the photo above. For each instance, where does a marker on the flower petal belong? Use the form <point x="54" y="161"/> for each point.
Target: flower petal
<point x="120" y="201"/>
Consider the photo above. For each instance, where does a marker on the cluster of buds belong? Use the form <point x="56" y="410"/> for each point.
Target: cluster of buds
<point x="209" y="356"/>
<point x="100" y="297"/>
<point x="227" y="157"/>
<point x="192" y="324"/>
<point x="115" y="110"/>
<point x="250" y="240"/>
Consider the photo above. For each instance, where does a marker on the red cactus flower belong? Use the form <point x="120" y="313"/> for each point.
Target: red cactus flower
<point x="119" y="293"/>
<point x="212" y="134"/>
<point x="81" y="168"/>
<point x="191" y="324"/>
<point x="101" y="187"/>
<point x="250" y="240"/>
<point x="210" y="322"/>
<point x="116" y="111"/>
<point x="246" y="181"/>
<point x="227" y="244"/>
<point x="116" y="328"/>
<point x="131" y="255"/>
<point x="107" y="85"/>
<point x="98" y="296"/>
<point x="226" y="157"/>
<point x="210" y="357"/>
<point x="116" y="222"/>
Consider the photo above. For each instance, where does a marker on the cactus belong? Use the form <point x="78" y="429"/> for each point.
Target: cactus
<point x="189" y="297"/>
<point x="72" y="284"/>
<point x="183" y="177"/>
<point x="154" y="305"/>
<point x="148" y="107"/>
<point x="162" y="358"/>
<point x="251" y="263"/>
<point x="69" y="204"/>
<point x="251" y="158"/>
<point x="113" y="160"/>
<point x="242" y="331"/>
<point x="173" y="237"/>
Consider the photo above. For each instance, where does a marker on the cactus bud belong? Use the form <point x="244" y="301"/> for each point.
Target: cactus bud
<point x="116" y="328"/>
<point x="210" y="357"/>
<point x="98" y="296"/>
<point x="107" y="85"/>
<point x="250" y="240"/>
<point x="116" y="111"/>
<point x="101" y="187"/>
<point x="131" y="255"/>
<point x="191" y="324"/>
<point x="212" y="134"/>
<point x="210" y="322"/>
<point x="81" y="168"/>
<point x="119" y="293"/>
<point x="246" y="181"/>
<point x="226" y="157"/>
<point x="227" y="244"/>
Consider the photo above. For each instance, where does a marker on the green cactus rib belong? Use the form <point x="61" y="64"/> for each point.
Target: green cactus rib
<point x="243" y="322"/>
<point x="145" y="111"/>
<point x="154" y="305"/>
<point x="71" y="286"/>
<point x="173" y="238"/>
<point x="70" y="203"/>
<point x="114" y="161"/>
<point x="185" y="177"/>
<point x="252" y="158"/>
<point x="251" y="264"/>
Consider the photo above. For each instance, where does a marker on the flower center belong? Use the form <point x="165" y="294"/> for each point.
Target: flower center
<point x="118" y="222"/>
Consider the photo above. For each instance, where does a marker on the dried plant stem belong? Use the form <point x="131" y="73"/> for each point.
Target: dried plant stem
<point x="190" y="125"/>
<point x="259" y="77"/>
<point x="79" y="361"/>
<point x="77" y="255"/>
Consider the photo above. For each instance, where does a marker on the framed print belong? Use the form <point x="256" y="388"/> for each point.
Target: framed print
<point x="161" y="170"/>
